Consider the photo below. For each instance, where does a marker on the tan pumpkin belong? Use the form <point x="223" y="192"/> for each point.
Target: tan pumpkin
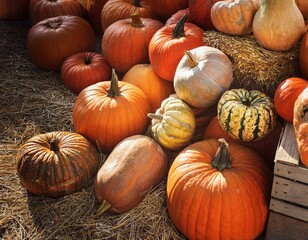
<point x="234" y="16"/>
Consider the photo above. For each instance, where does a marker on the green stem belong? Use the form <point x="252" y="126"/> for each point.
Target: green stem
<point x="114" y="90"/>
<point x="222" y="158"/>
<point x="178" y="30"/>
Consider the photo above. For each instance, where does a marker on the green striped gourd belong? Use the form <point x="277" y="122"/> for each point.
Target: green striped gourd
<point x="246" y="115"/>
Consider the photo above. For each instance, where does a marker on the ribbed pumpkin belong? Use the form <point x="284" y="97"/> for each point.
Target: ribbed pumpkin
<point x="134" y="167"/>
<point x="178" y="15"/>
<point x="94" y="9"/>
<point x="42" y="9"/>
<point x="83" y="69"/>
<point x="217" y="190"/>
<point x="125" y="43"/>
<point x="169" y="44"/>
<point x="165" y="9"/>
<point x="13" y="10"/>
<point x="234" y="16"/>
<point x="246" y="115"/>
<point x="109" y="111"/>
<point x="115" y="10"/>
<point x="202" y="76"/>
<point x="173" y="124"/>
<point x="58" y="38"/>
<point x="56" y="163"/>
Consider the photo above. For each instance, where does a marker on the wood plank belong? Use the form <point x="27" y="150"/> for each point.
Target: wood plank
<point x="291" y="191"/>
<point x="296" y="173"/>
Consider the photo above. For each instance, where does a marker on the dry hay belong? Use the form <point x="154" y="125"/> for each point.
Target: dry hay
<point x="34" y="101"/>
<point x="253" y="66"/>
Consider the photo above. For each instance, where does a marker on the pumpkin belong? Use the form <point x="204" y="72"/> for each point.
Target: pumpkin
<point x="300" y="124"/>
<point x="234" y="17"/>
<point x="202" y="76"/>
<point x="109" y="111"/>
<point x="42" y="9"/>
<point x="217" y="190"/>
<point x="115" y="10"/>
<point x="278" y="25"/>
<point x="173" y="124"/>
<point x="303" y="56"/>
<point x="303" y="7"/>
<point x="94" y="9"/>
<point x="266" y="146"/>
<point x="56" y="163"/>
<point x="178" y="15"/>
<point x="168" y="45"/>
<point x="246" y="115"/>
<point x="286" y="94"/>
<point x="136" y="33"/>
<point x="135" y="166"/>
<point x="155" y="88"/>
<point x="83" y="69"/>
<point x="165" y="9"/>
<point x="13" y="10"/>
<point x="58" y="38"/>
<point x="200" y="11"/>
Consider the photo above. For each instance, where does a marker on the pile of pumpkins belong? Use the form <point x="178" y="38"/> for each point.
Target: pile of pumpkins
<point x="171" y="87"/>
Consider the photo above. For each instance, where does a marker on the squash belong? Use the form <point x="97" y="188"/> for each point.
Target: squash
<point x="135" y="166"/>
<point x="14" y="10"/>
<point x="125" y="43"/>
<point x="286" y="94"/>
<point x="202" y="76"/>
<point x="168" y="45"/>
<point x="83" y="69"/>
<point x="246" y="115"/>
<point x="217" y="190"/>
<point x="57" y="163"/>
<point x="58" y="38"/>
<point x="234" y="17"/>
<point x="278" y="25"/>
<point x="109" y="111"/>
<point x="173" y="124"/>
<point x="300" y="124"/>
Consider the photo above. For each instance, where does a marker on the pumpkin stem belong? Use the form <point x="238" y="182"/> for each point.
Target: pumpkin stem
<point x="87" y="60"/>
<point x="222" y="158"/>
<point x="103" y="208"/>
<point x="114" y="90"/>
<point x="178" y="30"/>
<point x="137" y="3"/>
<point x="191" y="59"/>
<point x="158" y="117"/>
<point x="136" y="21"/>
<point x="53" y="145"/>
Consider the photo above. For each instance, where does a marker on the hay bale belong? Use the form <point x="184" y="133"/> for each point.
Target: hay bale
<point x="253" y="66"/>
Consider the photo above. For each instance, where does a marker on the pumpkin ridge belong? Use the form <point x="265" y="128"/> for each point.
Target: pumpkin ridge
<point x="242" y="124"/>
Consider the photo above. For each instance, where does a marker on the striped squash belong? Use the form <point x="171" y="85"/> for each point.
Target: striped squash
<point x="246" y="115"/>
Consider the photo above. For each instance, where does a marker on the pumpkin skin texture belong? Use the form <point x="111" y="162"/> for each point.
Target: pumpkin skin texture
<point x="210" y="196"/>
<point x="266" y="146"/>
<point x="303" y="56"/>
<point x="202" y="76"/>
<point x="169" y="44"/>
<point x="136" y="33"/>
<point x="286" y="94"/>
<point x="83" y="69"/>
<point x="13" y="10"/>
<point x="303" y="7"/>
<point x="234" y="17"/>
<point x="165" y="9"/>
<point x="42" y="9"/>
<point x="54" y="164"/>
<point x="177" y="16"/>
<point x="155" y="88"/>
<point x="94" y="9"/>
<point x="135" y="166"/>
<point x="109" y="111"/>
<point x="173" y="124"/>
<point x="51" y="41"/>
<point x="278" y="25"/>
<point x="246" y="115"/>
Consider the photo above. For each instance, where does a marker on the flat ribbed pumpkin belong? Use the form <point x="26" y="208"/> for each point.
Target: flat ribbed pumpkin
<point x="246" y="115"/>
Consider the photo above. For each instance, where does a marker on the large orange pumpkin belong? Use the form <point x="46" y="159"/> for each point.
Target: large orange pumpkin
<point x="169" y="44"/>
<point x="109" y="111"/>
<point x="58" y="38"/>
<point x="217" y="190"/>
<point x="12" y="10"/>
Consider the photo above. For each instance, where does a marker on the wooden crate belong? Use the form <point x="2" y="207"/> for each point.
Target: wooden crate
<point x="289" y="197"/>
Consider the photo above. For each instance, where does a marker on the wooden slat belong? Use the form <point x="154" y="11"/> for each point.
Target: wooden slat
<point x="291" y="191"/>
<point x="295" y="173"/>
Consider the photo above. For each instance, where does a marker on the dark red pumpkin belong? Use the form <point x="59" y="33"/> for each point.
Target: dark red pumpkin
<point x="51" y="41"/>
<point x="94" y="8"/>
<point x="84" y="69"/>
<point x="178" y="15"/>
<point x="165" y="9"/>
<point x="13" y="10"/>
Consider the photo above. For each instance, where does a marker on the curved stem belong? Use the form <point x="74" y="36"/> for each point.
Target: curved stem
<point x="192" y="61"/>
<point x="114" y="90"/>
<point x="136" y="21"/>
<point x="178" y="30"/>
<point x="53" y="145"/>
<point x="158" y="117"/>
<point x="222" y="158"/>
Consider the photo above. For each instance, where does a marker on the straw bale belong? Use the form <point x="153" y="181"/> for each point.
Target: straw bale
<point x="253" y="66"/>
<point x="34" y="101"/>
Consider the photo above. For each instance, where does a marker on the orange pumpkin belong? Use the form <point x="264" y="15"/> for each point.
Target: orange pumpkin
<point x="165" y="9"/>
<point x="13" y="10"/>
<point x="178" y="15"/>
<point x="94" y="9"/>
<point x="109" y="111"/>
<point x="169" y="44"/>
<point x="217" y="190"/>
<point x="286" y="94"/>
<point x="303" y="7"/>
